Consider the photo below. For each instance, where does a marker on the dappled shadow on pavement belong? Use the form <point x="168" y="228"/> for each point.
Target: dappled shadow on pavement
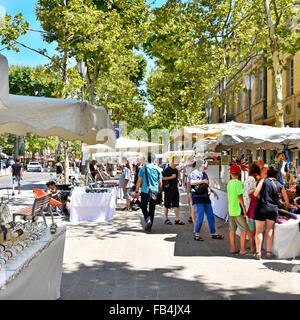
<point x="103" y="280"/>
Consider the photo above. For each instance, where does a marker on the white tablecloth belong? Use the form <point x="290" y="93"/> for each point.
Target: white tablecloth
<point x="98" y="207"/>
<point x="36" y="273"/>
<point x="286" y="242"/>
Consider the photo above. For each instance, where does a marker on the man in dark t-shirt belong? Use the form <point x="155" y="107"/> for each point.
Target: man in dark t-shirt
<point x="17" y="175"/>
<point x="171" y="199"/>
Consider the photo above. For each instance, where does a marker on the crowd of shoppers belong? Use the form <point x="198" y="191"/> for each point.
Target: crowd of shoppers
<point x="252" y="205"/>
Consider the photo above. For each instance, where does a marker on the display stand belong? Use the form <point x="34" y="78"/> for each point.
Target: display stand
<point x="36" y="273"/>
<point x="97" y="207"/>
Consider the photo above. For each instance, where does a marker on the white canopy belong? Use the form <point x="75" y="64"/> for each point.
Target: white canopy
<point x="100" y="148"/>
<point x="208" y="134"/>
<point x="263" y="137"/>
<point x="124" y="145"/>
<point x="131" y="144"/>
<point x="68" y="119"/>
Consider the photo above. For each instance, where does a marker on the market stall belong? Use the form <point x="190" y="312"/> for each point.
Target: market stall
<point x="286" y="231"/>
<point x="35" y="273"/>
<point x="68" y="119"/>
<point x="93" y="205"/>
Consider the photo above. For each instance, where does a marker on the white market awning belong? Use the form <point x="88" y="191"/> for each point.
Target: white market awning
<point x="67" y="119"/>
<point x="125" y="144"/>
<point x="263" y="137"/>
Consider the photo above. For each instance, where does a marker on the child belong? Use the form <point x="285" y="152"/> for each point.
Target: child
<point x="237" y="211"/>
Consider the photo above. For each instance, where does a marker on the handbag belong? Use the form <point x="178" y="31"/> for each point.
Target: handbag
<point x="154" y="196"/>
<point x="279" y="195"/>
<point x="166" y="186"/>
<point x="199" y="189"/>
<point x="252" y="206"/>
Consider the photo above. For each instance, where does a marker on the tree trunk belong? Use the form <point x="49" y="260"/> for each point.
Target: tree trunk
<point x="279" y="110"/>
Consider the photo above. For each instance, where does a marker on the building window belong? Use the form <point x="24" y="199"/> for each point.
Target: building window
<point x="240" y="99"/>
<point x="260" y="86"/>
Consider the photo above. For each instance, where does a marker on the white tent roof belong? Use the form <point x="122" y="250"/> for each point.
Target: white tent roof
<point x="262" y="137"/>
<point x="68" y="119"/>
<point x="99" y="148"/>
<point x="131" y="144"/>
<point x="123" y="145"/>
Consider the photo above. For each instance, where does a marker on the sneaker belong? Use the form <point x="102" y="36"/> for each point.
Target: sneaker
<point x="148" y="225"/>
<point x="13" y="194"/>
<point x="19" y="192"/>
<point x="190" y="220"/>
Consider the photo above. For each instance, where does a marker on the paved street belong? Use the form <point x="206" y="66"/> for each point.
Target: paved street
<point x="118" y="260"/>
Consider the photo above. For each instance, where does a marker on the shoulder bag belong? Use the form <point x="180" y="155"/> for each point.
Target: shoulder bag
<point x="154" y="196"/>
<point x="279" y="195"/>
<point x="199" y="189"/>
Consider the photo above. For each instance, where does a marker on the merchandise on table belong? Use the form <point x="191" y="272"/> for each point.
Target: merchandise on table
<point x="17" y="236"/>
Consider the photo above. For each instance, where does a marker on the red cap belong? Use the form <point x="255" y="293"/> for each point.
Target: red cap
<point x="235" y="169"/>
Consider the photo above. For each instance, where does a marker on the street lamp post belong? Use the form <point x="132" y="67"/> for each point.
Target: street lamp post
<point x="82" y="69"/>
<point x="249" y="81"/>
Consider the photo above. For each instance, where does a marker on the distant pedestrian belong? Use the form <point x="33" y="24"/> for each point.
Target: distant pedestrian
<point x="171" y="191"/>
<point x="17" y="176"/>
<point x="237" y="211"/>
<point x="125" y="183"/>
<point x="187" y="171"/>
<point x="149" y="178"/>
<point x="59" y="170"/>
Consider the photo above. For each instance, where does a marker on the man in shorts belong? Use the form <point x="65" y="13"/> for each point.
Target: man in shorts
<point x="17" y="175"/>
<point x="237" y="211"/>
<point x="171" y="199"/>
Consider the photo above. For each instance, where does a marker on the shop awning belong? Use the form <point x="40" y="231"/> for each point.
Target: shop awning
<point x="262" y="137"/>
<point x="67" y="119"/>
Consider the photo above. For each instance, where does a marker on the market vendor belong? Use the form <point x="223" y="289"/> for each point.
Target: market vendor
<point x="63" y="197"/>
<point x="94" y="170"/>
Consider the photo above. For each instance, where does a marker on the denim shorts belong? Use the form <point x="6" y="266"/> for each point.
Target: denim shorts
<point x="16" y="179"/>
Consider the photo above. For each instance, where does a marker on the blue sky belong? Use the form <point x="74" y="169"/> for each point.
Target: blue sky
<point x="33" y="39"/>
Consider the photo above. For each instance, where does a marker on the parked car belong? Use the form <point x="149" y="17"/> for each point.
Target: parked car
<point x="34" y="166"/>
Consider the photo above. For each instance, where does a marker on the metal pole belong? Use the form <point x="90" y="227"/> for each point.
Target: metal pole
<point x="82" y="93"/>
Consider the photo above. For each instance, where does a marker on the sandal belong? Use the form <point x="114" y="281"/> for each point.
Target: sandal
<point x="197" y="238"/>
<point x="168" y="222"/>
<point x="179" y="222"/>
<point x="217" y="236"/>
<point x="269" y="254"/>
<point x="257" y="255"/>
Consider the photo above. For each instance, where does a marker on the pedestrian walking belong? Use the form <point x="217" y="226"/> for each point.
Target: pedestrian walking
<point x="171" y="191"/>
<point x="125" y="183"/>
<point x="266" y="211"/>
<point x="17" y="176"/>
<point x="150" y="180"/>
<point x="237" y="211"/>
<point x="199" y="182"/>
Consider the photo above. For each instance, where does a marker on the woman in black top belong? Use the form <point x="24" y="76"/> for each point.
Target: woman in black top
<point x="266" y="210"/>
